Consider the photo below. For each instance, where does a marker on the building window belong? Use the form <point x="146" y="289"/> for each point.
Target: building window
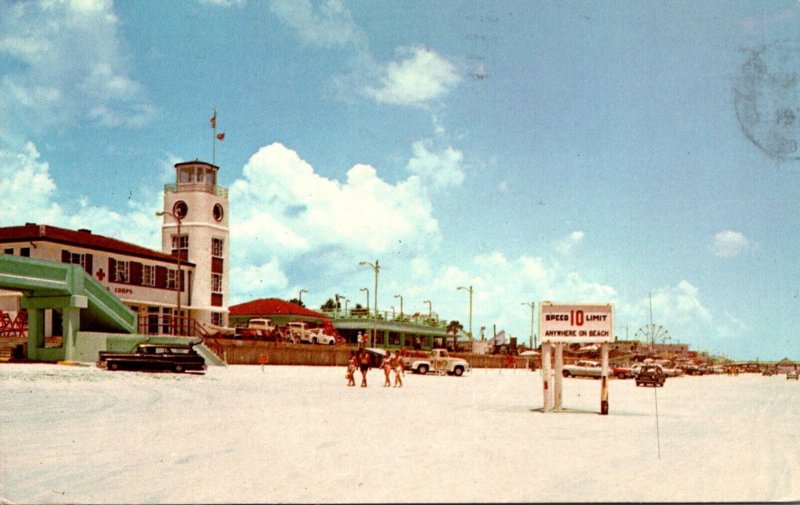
<point x="122" y="272"/>
<point x="217" y="247"/>
<point x="172" y="276"/>
<point x="216" y="318"/>
<point x="84" y="260"/>
<point x="9" y="251"/>
<point x="25" y="251"/>
<point x="149" y="275"/>
<point x="180" y="245"/>
<point x="216" y="283"/>
<point x="219" y="213"/>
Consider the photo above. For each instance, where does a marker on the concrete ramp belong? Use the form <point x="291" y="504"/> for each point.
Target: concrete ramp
<point x="84" y="303"/>
<point x="207" y="354"/>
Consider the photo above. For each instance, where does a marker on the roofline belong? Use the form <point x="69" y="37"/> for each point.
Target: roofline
<point x="31" y="232"/>
<point x="196" y="162"/>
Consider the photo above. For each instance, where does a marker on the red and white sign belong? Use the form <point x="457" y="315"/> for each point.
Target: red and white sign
<point x="564" y="322"/>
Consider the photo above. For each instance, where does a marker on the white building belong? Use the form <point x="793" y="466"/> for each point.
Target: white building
<point x="144" y="279"/>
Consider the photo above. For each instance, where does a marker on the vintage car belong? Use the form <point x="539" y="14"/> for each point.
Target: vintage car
<point x="791" y="375"/>
<point x="650" y="375"/>
<point x="155" y="358"/>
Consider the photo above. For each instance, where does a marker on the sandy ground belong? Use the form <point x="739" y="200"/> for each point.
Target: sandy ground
<point x="297" y="434"/>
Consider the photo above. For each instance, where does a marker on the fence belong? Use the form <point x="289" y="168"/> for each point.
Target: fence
<point x="280" y="353"/>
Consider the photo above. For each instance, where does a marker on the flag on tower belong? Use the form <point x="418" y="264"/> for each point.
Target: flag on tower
<point x="220" y="136"/>
<point x="214" y="120"/>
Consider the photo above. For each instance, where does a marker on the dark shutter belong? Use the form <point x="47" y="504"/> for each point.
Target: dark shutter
<point x="136" y="273"/>
<point x="216" y="265"/>
<point x="161" y="277"/>
<point x="89" y="264"/>
<point x="216" y="299"/>
<point x="112" y="270"/>
<point x="66" y="257"/>
<point x="183" y="284"/>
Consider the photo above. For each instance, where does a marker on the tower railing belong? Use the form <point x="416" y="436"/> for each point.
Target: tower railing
<point x="205" y="187"/>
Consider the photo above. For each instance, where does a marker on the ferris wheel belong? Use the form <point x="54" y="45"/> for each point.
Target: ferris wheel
<point x="653" y="333"/>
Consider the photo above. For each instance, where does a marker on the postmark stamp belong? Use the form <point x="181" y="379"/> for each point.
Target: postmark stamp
<point x="767" y="97"/>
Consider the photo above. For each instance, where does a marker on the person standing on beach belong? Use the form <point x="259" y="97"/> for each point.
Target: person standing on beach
<point x="352" y="364"/>
<point x="387" y="364"/>
<point x="398" y="369"/>
<point x="363" y="363"/>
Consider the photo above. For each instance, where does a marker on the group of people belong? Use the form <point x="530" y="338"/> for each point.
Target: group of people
<point x="360" y="360"/>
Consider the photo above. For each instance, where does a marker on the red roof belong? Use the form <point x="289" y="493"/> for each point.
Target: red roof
<point x="272" y="307"/>
<point x="81" y="238"/>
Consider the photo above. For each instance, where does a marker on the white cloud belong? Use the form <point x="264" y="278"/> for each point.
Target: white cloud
<point x="729" y="243"/>
<point x="327" y="25"/>
<point x="420" y="76"/>
<point x="282" y="200"/>
<point x="570" y="243"/>
<point x="74" y="48"/>
<point x="442" y="169"/>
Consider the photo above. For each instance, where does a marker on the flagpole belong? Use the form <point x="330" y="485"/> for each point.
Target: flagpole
<point x="214" y="138"/>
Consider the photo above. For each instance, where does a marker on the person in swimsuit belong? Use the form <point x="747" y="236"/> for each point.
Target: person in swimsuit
<point x="352" y="364"/>
<point x="398" y="369"/>
<point x="363" y="362"/>
<point x="387" y="364"/>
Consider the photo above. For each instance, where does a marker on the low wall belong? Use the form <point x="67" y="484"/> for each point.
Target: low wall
<point x="237" y="352"/>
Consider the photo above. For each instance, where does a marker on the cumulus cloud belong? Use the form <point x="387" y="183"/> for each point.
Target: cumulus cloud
<point x="681" y="306"/>
<point x="419" y="76"/>
<point x="729" y="243"/>
<point x="327" y="25"/>
<point x="70" y="66"/>
<point x="281" y="200"/>
<point x="570" y="243"/>
<point x="442" y="169"/>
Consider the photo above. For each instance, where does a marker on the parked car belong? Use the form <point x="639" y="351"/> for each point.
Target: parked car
<point x="791" y="375"/>
<point x="583" y="368"/>
<point x="651" y="375"/>
<point x="155" y="358"/>
<point x="622" y="372"/>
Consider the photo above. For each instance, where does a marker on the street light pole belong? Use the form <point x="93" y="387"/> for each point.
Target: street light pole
<point x="401" y="304"/>
<point x="338" y="297"/>
<point x="178" y="285"/>
<point x="376" y="267"/>
<point x="531" y="305"/>
<point x="430" y="309"/>
<point x="300" y="295"/>
<point x="367" y="290"/>
<point x="470" y="309"/>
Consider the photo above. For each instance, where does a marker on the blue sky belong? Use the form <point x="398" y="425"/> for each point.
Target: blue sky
<point x="565" y="151"/>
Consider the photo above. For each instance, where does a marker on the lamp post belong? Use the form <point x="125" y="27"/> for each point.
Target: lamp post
<point x="401" y="304"/>
<point x="177" y="245"/>
<point x="430" y="309"/>
<point x="531" y="305"/>
<point x="300" y="295"/>
<point x="338" y="297"/>
<point x="346" y="301"/>
<point x="376" y="267"/>
<point x="469" y="289"/>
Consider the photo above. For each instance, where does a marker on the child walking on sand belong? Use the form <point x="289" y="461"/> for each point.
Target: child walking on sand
<point x="352" y="364"/>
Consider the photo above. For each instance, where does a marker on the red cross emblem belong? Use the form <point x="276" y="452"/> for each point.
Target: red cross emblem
<point x="100" y="274"/>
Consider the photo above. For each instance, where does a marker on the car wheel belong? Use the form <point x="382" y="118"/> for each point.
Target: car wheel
<point x="178" y="368"/>
<point x="332" y="342"/>
<point x="566" y="373"/>
<point x="314" y="340"/>
<point x="620" y="376"/>
<point x="423" y="369"/>
<point x="113" y="366"/>
<point x="458" y="371"/>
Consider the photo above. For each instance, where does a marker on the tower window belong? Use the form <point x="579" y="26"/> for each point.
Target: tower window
<point x="219" y="212"/>
<point x="149" y="275"/>
<point x="180" y="209"/>
<point x="216" y="283"/>
<point x="217" y="247"/>
<point x="180" y="246"/>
